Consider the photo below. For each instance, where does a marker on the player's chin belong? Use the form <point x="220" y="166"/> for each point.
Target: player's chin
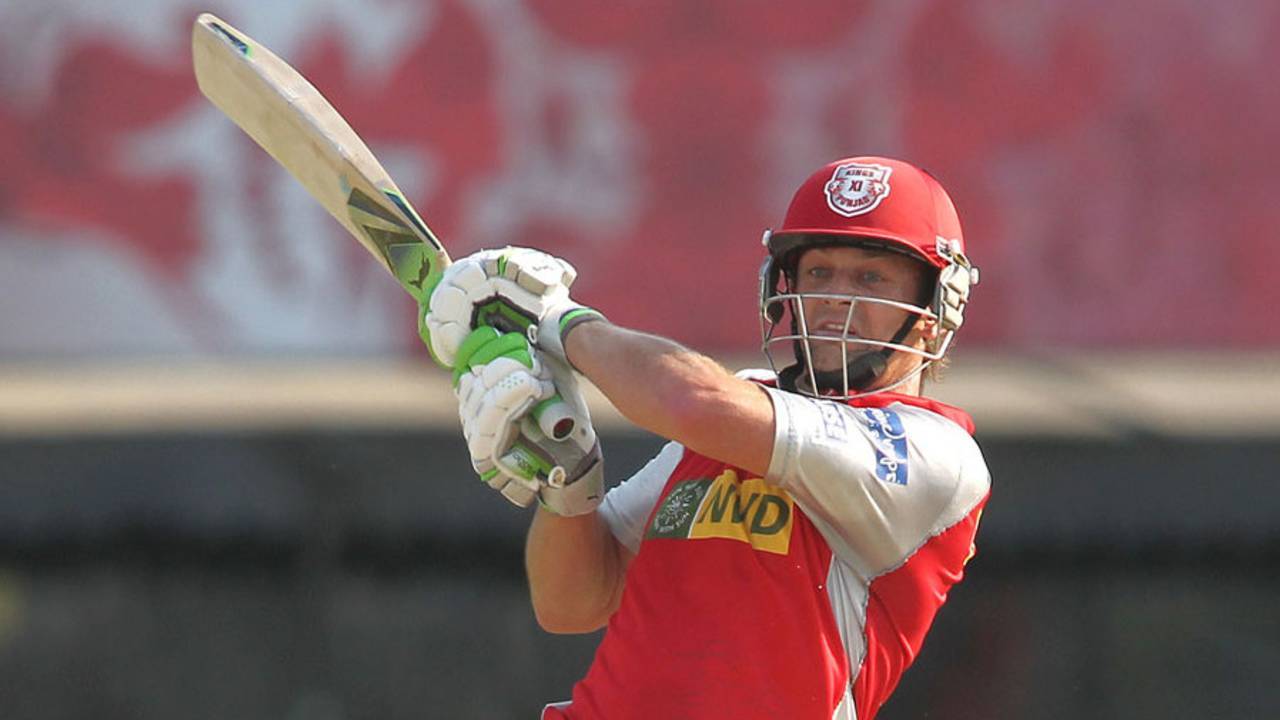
<point x="832" y="347"/>
<point x="831" y="360"/>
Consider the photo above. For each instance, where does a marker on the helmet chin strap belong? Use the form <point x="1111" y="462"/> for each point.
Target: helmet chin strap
<point x="862" y="371"/>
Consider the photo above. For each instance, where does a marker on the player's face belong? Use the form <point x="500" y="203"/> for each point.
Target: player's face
<point x="866" y="273"/>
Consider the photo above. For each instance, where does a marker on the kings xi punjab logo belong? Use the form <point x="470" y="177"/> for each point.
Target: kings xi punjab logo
<point x="857" y="188"/>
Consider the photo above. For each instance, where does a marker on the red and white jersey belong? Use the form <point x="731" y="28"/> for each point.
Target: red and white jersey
<point x="803" y="594"/>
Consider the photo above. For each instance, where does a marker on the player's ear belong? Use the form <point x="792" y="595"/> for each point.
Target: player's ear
<point x="925" y="331"/>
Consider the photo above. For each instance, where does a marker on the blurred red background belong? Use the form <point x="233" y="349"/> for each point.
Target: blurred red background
<point x="1113" y="164"/>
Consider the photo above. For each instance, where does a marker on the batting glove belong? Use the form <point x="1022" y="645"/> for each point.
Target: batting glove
<point x="513" y="289"/>
<point x="501" y="383"/>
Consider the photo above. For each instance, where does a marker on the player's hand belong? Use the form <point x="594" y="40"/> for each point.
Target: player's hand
<point x="501" y="383"/>
<point x="512" y="289"/>
<point x="498" y="380"/>
<point x="581" y="488"/>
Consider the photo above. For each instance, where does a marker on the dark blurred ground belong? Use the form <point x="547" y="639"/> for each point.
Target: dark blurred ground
<point x="358" y="574"/>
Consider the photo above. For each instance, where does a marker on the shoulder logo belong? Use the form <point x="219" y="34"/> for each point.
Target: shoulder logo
<point x="890" y="441"/>
<point x="857" y="188"/>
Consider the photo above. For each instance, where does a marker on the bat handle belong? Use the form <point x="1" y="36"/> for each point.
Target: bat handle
<point x="533" y="460"/>
<point x="531" y="457"/>
<point x="555" y="418"/>
<point x="545" y="451"/>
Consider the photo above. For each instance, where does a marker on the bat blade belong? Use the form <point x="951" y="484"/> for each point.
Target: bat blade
<point x="291" y="120"/>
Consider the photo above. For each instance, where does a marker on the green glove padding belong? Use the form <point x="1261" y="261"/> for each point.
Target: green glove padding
<point x="486" y="344"/>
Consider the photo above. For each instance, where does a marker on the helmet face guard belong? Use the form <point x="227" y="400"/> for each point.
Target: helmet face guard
<point x="791" y="344"/>
<point x="791" y="347"/>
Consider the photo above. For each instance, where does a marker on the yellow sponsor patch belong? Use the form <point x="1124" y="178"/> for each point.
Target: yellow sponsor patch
<point x="751" y="511"/>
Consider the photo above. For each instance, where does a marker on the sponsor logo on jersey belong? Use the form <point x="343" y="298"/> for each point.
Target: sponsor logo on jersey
<point x="857" y="188"/>
<point x="890" y="441"/>
<point x="833" y="421"/>
<point x="750" y="511"/>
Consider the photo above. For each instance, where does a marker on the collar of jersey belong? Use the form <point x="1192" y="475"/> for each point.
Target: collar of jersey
<point x="950" y="412"/>
<point x="880" y="399"/>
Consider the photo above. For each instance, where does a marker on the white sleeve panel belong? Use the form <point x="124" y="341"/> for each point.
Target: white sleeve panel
<point x="626" y="507"/>
<point x="877" y="482"/>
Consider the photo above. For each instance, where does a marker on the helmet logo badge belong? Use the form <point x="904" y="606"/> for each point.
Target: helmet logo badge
<point x="857" y="188"/>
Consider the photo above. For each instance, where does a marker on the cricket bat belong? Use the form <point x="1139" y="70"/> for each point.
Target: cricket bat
<point x="296" y="125"/>
<point x="293" y="122"/>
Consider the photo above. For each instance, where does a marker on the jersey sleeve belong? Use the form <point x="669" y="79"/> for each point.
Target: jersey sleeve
<point x="876" y="482"/>
<point x="626" y="507"/>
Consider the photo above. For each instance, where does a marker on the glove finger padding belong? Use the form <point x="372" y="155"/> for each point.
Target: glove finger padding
<point x="509" y="289"/>
<point x="443" y="338"/>
<point x="518" y="492"/>
<point x="538" y="272"/>
<point x="493" y="421"/>
<point x="499" y="381"/>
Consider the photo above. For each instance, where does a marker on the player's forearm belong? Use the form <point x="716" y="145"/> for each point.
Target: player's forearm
<point x="575" y="569"/>
<point x="676" y="393"/>
<point x="646" y="377"/>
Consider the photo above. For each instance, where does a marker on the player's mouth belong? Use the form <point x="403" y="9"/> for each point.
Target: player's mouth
<point x="832" y="329"/>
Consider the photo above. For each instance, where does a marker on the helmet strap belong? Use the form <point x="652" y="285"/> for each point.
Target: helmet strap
<point x="861" y="372"/>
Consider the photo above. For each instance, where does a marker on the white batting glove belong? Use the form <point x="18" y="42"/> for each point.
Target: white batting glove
<point x="498" y="381"/>
<point x="581" y="488"/>
<point x="513" y="289"/>
<point x="501" y="383"/>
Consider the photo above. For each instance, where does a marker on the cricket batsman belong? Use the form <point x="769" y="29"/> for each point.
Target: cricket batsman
<point x="784" y="555"/>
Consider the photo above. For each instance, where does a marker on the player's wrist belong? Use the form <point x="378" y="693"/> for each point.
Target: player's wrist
<point x="552" y="333"/>
<point x="580" y="497"/>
